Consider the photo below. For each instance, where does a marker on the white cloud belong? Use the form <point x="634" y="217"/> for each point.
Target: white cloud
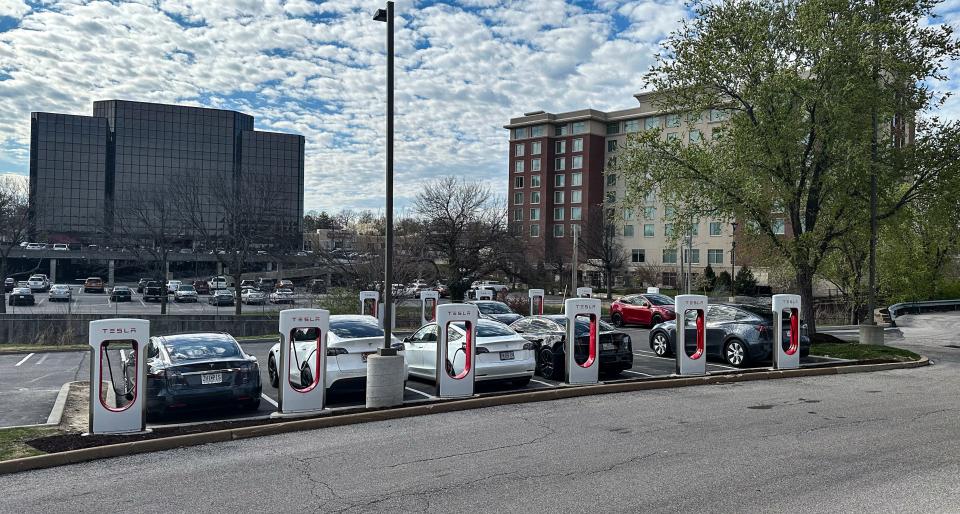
<point x="13" y="8"/>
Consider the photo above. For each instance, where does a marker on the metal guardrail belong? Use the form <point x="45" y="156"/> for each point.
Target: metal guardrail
<point x="899" y="309"/>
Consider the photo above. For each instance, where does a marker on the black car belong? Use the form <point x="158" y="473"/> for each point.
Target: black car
<point x="221" y="297"/>
<point x="494" y="310"/>
<point x="142" y="284"/>
<point x="739" y="334"/>
<point x="121" y="294"/>
<point x="549" y="334"/>
<point x="22" y="296"/>
<point x="198" y="370"/>
<point x="154" y="291"/>
<point x="8" y="285"/>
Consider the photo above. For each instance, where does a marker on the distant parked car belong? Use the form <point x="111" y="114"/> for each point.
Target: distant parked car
<point x="121" y="294"/>
<point x="317" y="286"/>
<point x="248" y="283"/>
<point x="642" y="309"/>
<point x="93" y="285"/>
<point x="739" y="334"/>
<point x="60" y="247"/>
<point x="22" y="296"/>
<point x="201" y="286"/>
<point x="185" y="293"/>
<point x="549" y="335"/>
<point x="154" y="291"/>
<point x="281" y="296"/>
<point x="266" y="284"/>
<point x="38" y="283"/>
<point x="60" y="292"/>
<point x="8" y="285"/>
<point x="442" y="290"/>
<point x="197" y="370"/>
<point x="36" y="246"/>
<point x="172" y="285"/>
<point x="493" y="285"/>
<point x="186" y="250"/>
<point x="253" y="296"/>
<point x="285" y="284"/>
<point x="497" y="311"/>
<point x="217" y="283"/>
<point x="220" y="297"/>
<point x="142" y="284"/>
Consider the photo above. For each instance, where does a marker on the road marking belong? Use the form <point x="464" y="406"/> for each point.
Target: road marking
<point x="23" y="360"/>
<point x="542" y="382"/>
<point x="636" y="373"/>
<point x="39" y="362"/>
<point x="421" y="393"/>
<point x="141" y="303"/>
<point x="41" y="302"/>
<point x="269" y="400"/>
<point x="642" y="352"/>
<point x="725" y="367"/>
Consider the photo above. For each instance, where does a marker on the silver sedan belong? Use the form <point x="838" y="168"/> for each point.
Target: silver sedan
<point x="61" y="292"/>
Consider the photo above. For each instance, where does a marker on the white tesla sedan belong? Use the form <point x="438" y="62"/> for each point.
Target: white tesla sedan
<point x="502" y="354"/>
<point x="351" y="340"/>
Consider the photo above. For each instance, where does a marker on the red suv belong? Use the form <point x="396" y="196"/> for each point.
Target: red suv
<point x="642" y="309"/>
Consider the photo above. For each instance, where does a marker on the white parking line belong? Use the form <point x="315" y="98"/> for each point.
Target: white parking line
<point x="542" y="382"/>
<point x="141" y="302"/>
<point x="636" y="373"/>
<point x="421" y="393"/>
<point x="39" y="362"/>
<point x="642" y="352"/>
<point x="725" y="367"/>
<point x="269" y="400"/>
<point x="23" y="360"/>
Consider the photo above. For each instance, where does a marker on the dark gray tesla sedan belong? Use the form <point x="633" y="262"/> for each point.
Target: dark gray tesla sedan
<point x="199" y="370"/>
<point x="739" y="334"/>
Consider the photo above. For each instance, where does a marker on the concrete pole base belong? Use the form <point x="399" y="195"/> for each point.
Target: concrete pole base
<point x="871" y="334"/>
<point x="385" y="381"/>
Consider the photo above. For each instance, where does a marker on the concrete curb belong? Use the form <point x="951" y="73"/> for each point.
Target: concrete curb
<point x="56" y="413"/>
<point x="333" y="420"/>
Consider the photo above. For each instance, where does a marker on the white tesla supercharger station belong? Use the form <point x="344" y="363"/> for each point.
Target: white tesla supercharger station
<point x="393" y="316"/>
<point x="309" y="399"/>
<point x="789" y="357"/>
<point x="584" y="292"/>
<point x="105" y="416"/>
<point x="371" y="308"/>
<point x="484" y="294"/>
<point x="696" y="363"/>
<point x="428" y="306"/>
<point x="459" y="384"/>
<point x="589" y="371"/>
<point x="653" y="290"/>
<point x="536" y="301"/>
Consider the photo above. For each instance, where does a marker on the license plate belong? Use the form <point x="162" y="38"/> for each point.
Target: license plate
<point x="506" y="356"/>
<point x="363" y="356"/>
<point x="608" y="346"/>
<point x="211" y="378"/>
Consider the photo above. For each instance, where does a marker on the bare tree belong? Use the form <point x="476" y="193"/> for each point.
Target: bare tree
<point x="150" y="226"/>
<point x="602" y="246"/>
<point x="14" y="221"/>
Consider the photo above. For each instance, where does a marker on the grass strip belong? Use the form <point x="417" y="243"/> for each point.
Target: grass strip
<point x="13" y="441"/>
<point x="862" y="352"/>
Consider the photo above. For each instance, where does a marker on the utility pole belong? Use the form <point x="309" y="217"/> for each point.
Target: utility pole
<point x="573" y="263"/>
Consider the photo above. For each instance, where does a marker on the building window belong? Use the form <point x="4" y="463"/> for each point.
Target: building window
<point x="576" y="179"/>
<point x="650" y="213"/>
<point x="518" y="198"/>
<point x="534" y="180"/>
<point x="631" y="126"/>
<point x="691" y="255"/>
<point x="517" y="182"/>
<point x="558" y="164"/>
<point x="537" y="131"/>
<point x="627" y="213"/>
<point x="534" y="164"/>
<point x="535" y="148"/>
<point x="535" y="214"/>
<point x="575" y="196"/>
<point x="673" y="136"/>
<point x="638" y="256"/>
<point x="558" y="180"/>
<point x="668" y="230"/>
<point x="694" y="117"/>
<point x="714" y="228"/>
<point x="534" y="230"/>
<point x="673" y="120"/>
<point x="558" y="214"/>
<point x="716" y="133"/>
<point x="578" y="144"/>
<point x="648" y="230"/>
<point x="669" y="278"/>
<point x="558" y="230"/>
<point x="611" y="196"/>
<point x="717" y="115"/>
<point x="778" y="226"/>
<point x="611" y="179"/>
<point x="668" y="211"/>
<point x="577" y="162"/>
<point x="579" y="127"/>
<point x="715" y="256"/>
<point x="575" y="213"/>
<point x="518" y="149"/>
<point x="558" y="197"/>
<point x="669" y="255"/>
<point x="560" y="147"/>
<point x="628" y="231"/>
<point x="561" y="130"/>
<point x="518" y="214"/>
<point x="651" y="123"/>
<point x="520" y="133"/>
<point x="613" y="127"/>
<point x="612" y="145"/>
<point x="695" y="229"/>
<point x="535" y="197"/>
<point x="695" y="137"/>
<point x="518" y="166"/>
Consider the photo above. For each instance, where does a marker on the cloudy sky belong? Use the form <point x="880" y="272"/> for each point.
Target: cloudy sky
<point x="317" y="69"/>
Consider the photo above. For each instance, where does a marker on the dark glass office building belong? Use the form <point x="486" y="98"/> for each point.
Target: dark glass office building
<point x="96" y="177"/>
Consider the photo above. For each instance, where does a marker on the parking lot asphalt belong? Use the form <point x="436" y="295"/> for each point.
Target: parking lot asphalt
<point x="29" y="383"/>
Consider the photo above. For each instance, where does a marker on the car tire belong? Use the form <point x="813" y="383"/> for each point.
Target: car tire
<point x="547" y="364"/>
<point x="272" y="372"/>
<point x="655" y="320"/>
<point x="251" y="404"/>
<point x="521" y="382"/>
<point x="617" y="319"/>
<point x="660" y="344"/>
<point x="735" y="353"/>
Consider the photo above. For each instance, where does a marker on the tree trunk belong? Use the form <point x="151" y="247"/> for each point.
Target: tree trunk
<point x="3" y="276"/>
<point x="609" y="285"/>
<point x="805" y="285"/>
<point x="163" y="286"/>
<point x="237" y="303"/>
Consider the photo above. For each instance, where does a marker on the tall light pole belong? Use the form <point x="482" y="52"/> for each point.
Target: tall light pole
<point x="733" y="259"/>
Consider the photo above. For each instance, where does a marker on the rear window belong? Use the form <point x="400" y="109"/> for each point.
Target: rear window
<point x="583" y="325"/>
<point x="493" y="308"/>
<point x="659" y="299"/>
<point x="490" y="329"/>
<point x="353" y="329"/>
<point x="182" y="350"/>
<point x="756" y="311"/>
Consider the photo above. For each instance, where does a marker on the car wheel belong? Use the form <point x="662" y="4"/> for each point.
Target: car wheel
<point x="521" y="382"/>
<point x="250" y="404"/>
<point x="547" y="364"/>
<point x="617" y="319"/>
<point x="735" y="353"/>
<point x="655" y="320"/>
<point x="661" y="344"/>
<point x="272" y="372"/>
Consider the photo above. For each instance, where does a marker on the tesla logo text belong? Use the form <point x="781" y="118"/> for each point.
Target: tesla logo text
<point x="119" y="330"/>
<point x="459" y="313"/>
<point x="306" y="318"/>
<point x="695" y="302"/>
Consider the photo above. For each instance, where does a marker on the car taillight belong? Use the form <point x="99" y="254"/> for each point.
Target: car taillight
<point x="762" y="329"/>
<point x="481" y="349"/>
<point x="332" y="352"/>
<point x="529" y="346"/>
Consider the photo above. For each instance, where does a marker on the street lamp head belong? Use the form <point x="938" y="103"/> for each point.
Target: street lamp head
<point x="380" y="15"/>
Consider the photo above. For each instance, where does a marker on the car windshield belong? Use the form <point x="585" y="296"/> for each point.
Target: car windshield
<point x="494" y="308"/>
<point x="355" y="328"/>
<point x="194" y="349"/>
<point x="486" y="328"/>
<point x="583" y="325"/>
<point x="121" y="289"/>
<point x="58" y="287"/>
<point x="659" y="299"/>
<point x="185" y="288"/>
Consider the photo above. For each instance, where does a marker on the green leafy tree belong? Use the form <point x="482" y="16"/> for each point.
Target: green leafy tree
<point x="745" y="282"/>
<point x="799" y="83"/>
<point x="709" y="277"/>
<point x="723" y="280"/>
